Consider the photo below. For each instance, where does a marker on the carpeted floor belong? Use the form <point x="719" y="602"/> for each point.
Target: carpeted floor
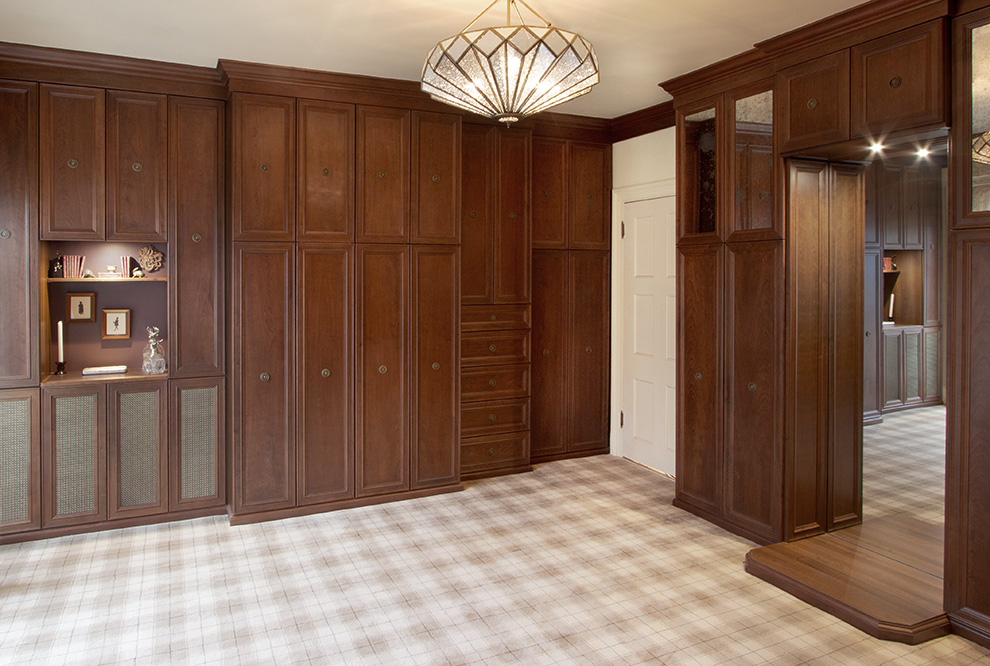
<point x="579" y="562"/>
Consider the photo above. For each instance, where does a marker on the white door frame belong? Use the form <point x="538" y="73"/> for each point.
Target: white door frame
<point x="620" y="197"/>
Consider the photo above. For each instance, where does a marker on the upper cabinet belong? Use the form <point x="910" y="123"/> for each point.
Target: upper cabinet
<point x="751" y="163"/>
<point x="814" y="102"/>
<point x="698" y="138"/>
<point x="589" y="187"/>
<point x="382" y="175"/>
<point x="550" y="193"/>
<point x="436" y="170"/>
<point x="325" y="166"/>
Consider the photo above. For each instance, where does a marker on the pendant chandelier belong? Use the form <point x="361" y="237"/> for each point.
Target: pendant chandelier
<point x="512" y="71"/>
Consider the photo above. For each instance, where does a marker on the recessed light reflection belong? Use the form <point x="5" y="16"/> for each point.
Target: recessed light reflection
<point x="876" y="147"/>
<point x="923" y="152"/>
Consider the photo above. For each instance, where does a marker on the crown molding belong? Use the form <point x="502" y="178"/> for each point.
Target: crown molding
<point x="644" y="121"/>
<point x="743" y="69"/>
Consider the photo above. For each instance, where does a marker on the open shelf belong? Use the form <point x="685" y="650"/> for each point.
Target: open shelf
<point x="144" y="279"/>
<point x="77" y="377"/>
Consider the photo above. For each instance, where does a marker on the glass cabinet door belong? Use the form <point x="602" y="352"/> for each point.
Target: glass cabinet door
<point x="752" y="167"/>
<point x="698" y="142"/>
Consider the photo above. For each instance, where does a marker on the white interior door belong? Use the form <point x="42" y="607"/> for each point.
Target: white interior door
<point x="649" y="308"/>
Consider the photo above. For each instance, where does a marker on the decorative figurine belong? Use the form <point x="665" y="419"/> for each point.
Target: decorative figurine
<point x="154" y="355"/>
<point x="150" y="259"/>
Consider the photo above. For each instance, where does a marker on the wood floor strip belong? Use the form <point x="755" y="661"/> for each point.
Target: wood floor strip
<point x="913" y="542"/>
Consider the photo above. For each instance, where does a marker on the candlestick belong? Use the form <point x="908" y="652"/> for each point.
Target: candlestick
<point x="61" y="345"/>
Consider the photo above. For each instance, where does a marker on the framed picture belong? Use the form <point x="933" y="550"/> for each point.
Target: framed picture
<point x="80" y="307"/>
<point x="116" y="324"/>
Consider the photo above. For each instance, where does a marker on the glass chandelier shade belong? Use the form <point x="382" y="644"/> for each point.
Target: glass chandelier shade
<point x="512" y="71"/>
<point x="981" y="148"/>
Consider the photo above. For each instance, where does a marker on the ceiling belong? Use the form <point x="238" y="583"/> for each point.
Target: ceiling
<point x="639" y="42"/>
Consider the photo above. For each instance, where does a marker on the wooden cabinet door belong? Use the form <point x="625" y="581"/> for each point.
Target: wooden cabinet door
<point x="382" y="175"/>
<point x="889" y="181"/>
<point x="435" y="429"/>
<point x="932" y="385"/>
<point x="477" y="207"/>
<point x="700" y="397"/>
<point x="263" y="167"/>
<point x="589" y="192"/>
<point x="549" y="380"/>
<point x="512" y="218"/>
<point x="913" y="373"/>
<point x="19" y="352"/>
<point x="893" y="387"/>
<point x="813" y="102"/>
<point x="325" y="421"/>
<point x="197" y="445"/>
<point x="436" y="171"/>
<point x="137" y="443"/>
<point x="73" y="151"/>
<point x="550" y="200"/>
<point x="933" y="260"/>
<point x="912" y="209"/>
<point x="381" y="424"/>
<point x="196" y="237"/>
<point x="752" y="473"/>
<point x="20" y="432"/>
<point x="588" y="320"/>
<point x="325" y="164"/>
<point x="74" y="454"/>
<point x="872" y="220"/>
<point x="137" y="161"/>
<point x="898" y="81"/>
<point x="872" y="295"/>
<point x="264" y="465"/>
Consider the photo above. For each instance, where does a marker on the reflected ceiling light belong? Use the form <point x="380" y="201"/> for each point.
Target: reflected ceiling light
<point x="981" y="148"/>
<point x="512" y="71"/>
<point x="876" y="147"/>
<point x="923" y="152"/>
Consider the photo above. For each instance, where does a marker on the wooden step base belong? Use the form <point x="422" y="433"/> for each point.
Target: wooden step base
<point x="883" y="577"/>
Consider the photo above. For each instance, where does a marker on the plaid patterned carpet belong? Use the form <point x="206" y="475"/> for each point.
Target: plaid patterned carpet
<point x="580" y="562"/>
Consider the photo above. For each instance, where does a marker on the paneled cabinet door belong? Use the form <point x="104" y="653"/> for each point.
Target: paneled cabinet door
<point x="137" y="442"/>
<point x="196" y="264"/>
<point x="549" y="353"/>
<point x="137" y="131"/>
<point x="325" y="403"/>
<point x="263" y="167"/>
<point x="700" y="397"/>
<point x="382" y="175"/>
<point x="550" y="193"/>
<point x="477" y="225"/>
<point x="19" y="363"/>
<point x="263" y="377"/>
<point x="381" y="427"/>
<point x="872" y="280"/>
<point x="20" y="432"/>
<point x="588" y="320"/>
<point x="434" y="435"/>
<point x="590" y="195"/>
<point x="74" y="454"/>
<point x="325" y="154"/>
<point x="436" y="170"/>
<point x="753" y="425"/>
<point x="813" y="102"/>
<point x="197" y="446"/>
<point x="512" y="217"/>
<point x="73" y="155"/>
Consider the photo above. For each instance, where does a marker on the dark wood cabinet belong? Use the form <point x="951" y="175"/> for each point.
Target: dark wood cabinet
<point x="436" y="170"/>
<point x="325" y="372"/>
<point x="550" y="199"/>
<point x="434" y="431"/>
<point x="197" y="444"/>
<point x="911" y="367"/>
<point x="813" y="102"/>
<point x="382" y="395"/>
<point x="872" y="295"/>
<point x="588" y="320"/>
<point x="20" y="433"/>
<point x="325" y="168"/>
<point x="549" y="389"/>
<point x="19" y="311"/>
<point x="137" y="436"/>
<point x="72" y="163"/>
<point x="589" y="192"/>
<point x="263" y="377"/>
<point x="137" y="161"/>
<point x="477" y="211"/>
<point x="382" y="175"/>
<point x="908" y="200"/>
<point x="196" y="237"/>
<point x="262" y="167"/>
<point x="513" y="224"/>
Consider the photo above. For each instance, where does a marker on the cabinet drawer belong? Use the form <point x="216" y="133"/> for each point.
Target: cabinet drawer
<point x="494" y="348"/>
<point x="494" y="317"/>
<point x="495" y="382"/>
<point x="494" y="416"/>
<point x="480" y="453"/>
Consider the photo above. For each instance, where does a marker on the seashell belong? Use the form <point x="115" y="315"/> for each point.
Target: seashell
<point x="150" y="259"/>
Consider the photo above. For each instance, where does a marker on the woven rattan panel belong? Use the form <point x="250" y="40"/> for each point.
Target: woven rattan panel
<point x="911" y="368"/>
<point x="931" y="363"/>
<point x="198" y="430"/>
<point x="15" y="460"/>
<point x="139" y="446"/>
<point x="75" y="486"/>
<point x="892" y="366"/>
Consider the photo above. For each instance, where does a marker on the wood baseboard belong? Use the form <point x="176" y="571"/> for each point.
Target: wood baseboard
<point x="972" y="625"/>
<point x="550" y="457"/>
<point x="491" y="473"/>
<point x="718" y="520"/>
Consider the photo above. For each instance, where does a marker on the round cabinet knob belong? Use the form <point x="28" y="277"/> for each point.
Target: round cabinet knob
<point x="812" y="103"/>
<point x="4" y="233"/>
<point x="265" y="376"/>
<point x="136" y="166"/>
<point x="382" y="369"/>
<point x="264" y="168"/>
<point x="326" y="171"/>
<point x="491" y="382"/>
<point x="196" y="238"/>
<point x="512" y="216"/>
<point x="491" y="452"/>
<point x="590" y="196"/>
<point x="752" y="386"/>
<point x="73" y="163"/>
<point x="436" y="178"/>
<point x="493" y="318"/>
<point x="867" y="334"/>
<point x="587" y="350"/>
<point x="491" y="348"/>
<point x="325" y="373"/>
<point x="697" y="376"/>
<point x="546" y="352"/>
<point x="436" y="366"/>
<point x="383" y="175"/>
<point x="492" y="417"/>
<point x="474" y="214"/>
<point x="546" y="193"/>
<point x="895" y="82"/>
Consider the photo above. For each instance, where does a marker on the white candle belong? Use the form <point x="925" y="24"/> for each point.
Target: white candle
<point x="61" y="345"/>
<point x="891" y="307"/>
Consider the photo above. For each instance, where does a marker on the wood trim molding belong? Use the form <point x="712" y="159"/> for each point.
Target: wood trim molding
<point x="50" y="65"/>
<point x="972" y="625"/>
<point x="651" y="119"/>
<point x="738" y="70"/>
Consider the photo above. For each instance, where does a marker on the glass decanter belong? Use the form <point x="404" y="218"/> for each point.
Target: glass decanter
<point x="154" y="355"/>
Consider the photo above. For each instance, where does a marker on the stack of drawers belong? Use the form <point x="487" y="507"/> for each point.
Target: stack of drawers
<point x="495" y="379"/>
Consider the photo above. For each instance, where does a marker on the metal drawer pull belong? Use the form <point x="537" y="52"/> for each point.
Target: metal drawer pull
<point x="436" y="178"/>
<point x="382" y="369"/>
<point x="587" y="350"/>
<point x="4" y="233"/>
<point x="491" y="348"/>
<point x="474" y="214"/>
<point x="383" y="174"/>
<point x="264" y="168"/>
<point x="895" y="82"/>
<point x="812" y="103"/>
<point x="136" y="166"/>
<point x="752" y="386"/>
<point x="436" y="366"/>
<point x="196" y="238"/>
<point x="265" y="376"/>
<point x="492" y="318"/>
<point x="512" y="216"/>
<point x="325" y="372"/>
<point x="73" y="163"/>
<point x="491" y="417"/>
<point x="491" y="382"/>
<point x="326" y="171"/>
<point x="491" y="452"/>
<point x="697" y="376"/>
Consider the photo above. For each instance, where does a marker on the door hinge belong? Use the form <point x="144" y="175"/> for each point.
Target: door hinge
<point x="622" y="229"/>
<point x="622" y="419"/>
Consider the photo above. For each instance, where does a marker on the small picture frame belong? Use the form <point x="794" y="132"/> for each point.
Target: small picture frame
<point x="80" y="307"/>
<point x="116" y="324"/>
